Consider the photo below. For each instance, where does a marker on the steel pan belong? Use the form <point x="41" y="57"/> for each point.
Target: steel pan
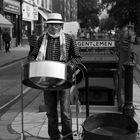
<point x="110" y="126"/>
<point x="49" y="75"/>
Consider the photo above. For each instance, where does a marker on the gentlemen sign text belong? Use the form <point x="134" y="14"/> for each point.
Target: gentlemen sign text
<point x="95" y="43"/>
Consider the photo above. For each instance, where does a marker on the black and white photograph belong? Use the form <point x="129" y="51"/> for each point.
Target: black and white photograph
<point x="69" y="69"/>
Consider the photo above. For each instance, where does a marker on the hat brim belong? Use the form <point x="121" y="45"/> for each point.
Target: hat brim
<point x="61" y="22"/>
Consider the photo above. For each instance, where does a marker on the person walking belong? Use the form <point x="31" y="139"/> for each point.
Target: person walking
<point x="7" y="39"/>
<point x="32" y="41"/>
<point x="57" y="46"/>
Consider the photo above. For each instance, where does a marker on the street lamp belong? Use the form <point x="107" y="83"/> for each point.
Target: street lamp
<point x="20" y="25"/>
<point x="20" y="43"/>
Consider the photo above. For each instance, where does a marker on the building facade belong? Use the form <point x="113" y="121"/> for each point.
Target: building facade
<point x="44" y="8"/>
<point x="10" y="10"/>
<point x="34" y="14"/>
<point x="29" y="15"/>
<point x="137" y="27"/>
<point x="68" y="9"/>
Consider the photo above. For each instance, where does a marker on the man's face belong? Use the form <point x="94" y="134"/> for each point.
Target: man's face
<point x="54" y="28"/>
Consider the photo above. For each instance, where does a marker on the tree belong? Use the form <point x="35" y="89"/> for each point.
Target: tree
<point x="87" y="13"/>
<point x="107" y="24"/>
<point x="123" y="11"/>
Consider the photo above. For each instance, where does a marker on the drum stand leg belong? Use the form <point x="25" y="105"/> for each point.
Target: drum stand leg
<point x="22" y="115"/>
<point x="77" y="117"/>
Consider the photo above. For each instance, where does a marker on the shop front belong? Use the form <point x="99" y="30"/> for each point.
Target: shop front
<point x="39" y="25"/>
<point x="12" y="12"/>
<point x="4" y="23"/>
<point x="29" y="15"/>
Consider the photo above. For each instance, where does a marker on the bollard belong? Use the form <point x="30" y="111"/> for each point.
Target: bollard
<point x="128" y="108"/>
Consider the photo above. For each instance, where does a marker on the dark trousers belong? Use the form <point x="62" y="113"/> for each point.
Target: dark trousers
<point x="51" y="99"/>
<point x="7" y="46"/>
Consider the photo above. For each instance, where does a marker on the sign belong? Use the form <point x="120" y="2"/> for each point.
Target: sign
<point x="95" y="43"/>
<point x="29" y="12"/>
<point x="11" y="6"/>
<point x="35" y="13"/>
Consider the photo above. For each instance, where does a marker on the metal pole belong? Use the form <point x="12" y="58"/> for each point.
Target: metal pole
<point x="85" y="73"/>
<point x="128" y="108"/>
<point x="87" y="96"/>
<point x="20" y="23"/>
<point x="22" y="106"/>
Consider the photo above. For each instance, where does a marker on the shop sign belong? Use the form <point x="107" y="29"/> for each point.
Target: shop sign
<point x="95" y="43"/>
<point x="29" y="12"/>
<point x="35" y="13"/>
<point x="11" y="6"/>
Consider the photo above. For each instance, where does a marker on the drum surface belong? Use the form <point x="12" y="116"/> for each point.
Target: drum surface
<point x="110" y="126"/>
<point x="49" y="75"/>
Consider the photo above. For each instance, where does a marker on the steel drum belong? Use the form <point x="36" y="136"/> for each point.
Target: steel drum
<point x="110" y="126"/>
<point x="48" y="75"/>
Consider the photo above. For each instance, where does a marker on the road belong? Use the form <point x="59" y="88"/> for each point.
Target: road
<point x="10" y="84"/>
<point x="10" y="88"/>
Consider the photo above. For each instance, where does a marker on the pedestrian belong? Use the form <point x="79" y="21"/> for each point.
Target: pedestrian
<point x="59" y="47"/>
<point x="32" y="41"/>
<point x="7" y="39"/>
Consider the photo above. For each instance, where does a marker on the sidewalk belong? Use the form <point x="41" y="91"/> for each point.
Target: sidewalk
<point x="15" y="54"/>
<point x="35" y="122"/>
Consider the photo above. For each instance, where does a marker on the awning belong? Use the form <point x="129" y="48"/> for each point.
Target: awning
<point x="43" y="14"/>
<point x="4" y="22"/>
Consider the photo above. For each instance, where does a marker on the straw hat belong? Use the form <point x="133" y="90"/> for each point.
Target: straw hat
<point x="54" y="18"/>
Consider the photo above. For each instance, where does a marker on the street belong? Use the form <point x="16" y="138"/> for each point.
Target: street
<point x="43" y="30"/>
<point x="10" y="82"/>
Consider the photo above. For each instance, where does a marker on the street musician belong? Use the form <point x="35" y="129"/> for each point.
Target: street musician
<point x="56" y="45"/>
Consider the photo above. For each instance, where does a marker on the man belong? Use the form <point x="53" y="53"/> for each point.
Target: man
<point x="57" y="46"/>
<point x="6" y="38"/>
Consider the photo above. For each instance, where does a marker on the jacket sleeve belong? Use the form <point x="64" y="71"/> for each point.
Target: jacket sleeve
<point x="74" y="54"/>
<point x="34" y="53"/>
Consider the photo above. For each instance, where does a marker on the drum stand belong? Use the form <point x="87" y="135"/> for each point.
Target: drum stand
<point x="22" y="115"/>
<point x="85" y="74"/>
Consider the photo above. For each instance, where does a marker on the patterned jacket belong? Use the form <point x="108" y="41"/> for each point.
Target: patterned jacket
<point x="72" y="52"/>
<point x="32" y="40"/>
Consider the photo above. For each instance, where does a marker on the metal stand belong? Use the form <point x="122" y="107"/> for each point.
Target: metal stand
<point x="85" y="74"/>
<point x="128" y="108"/>
<point x="22" y="115"/>
<point x="77" y="116"/>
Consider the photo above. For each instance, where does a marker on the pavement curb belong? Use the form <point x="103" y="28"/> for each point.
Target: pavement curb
<point x="12" y="62"/>
<point x="7" y="118"/>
